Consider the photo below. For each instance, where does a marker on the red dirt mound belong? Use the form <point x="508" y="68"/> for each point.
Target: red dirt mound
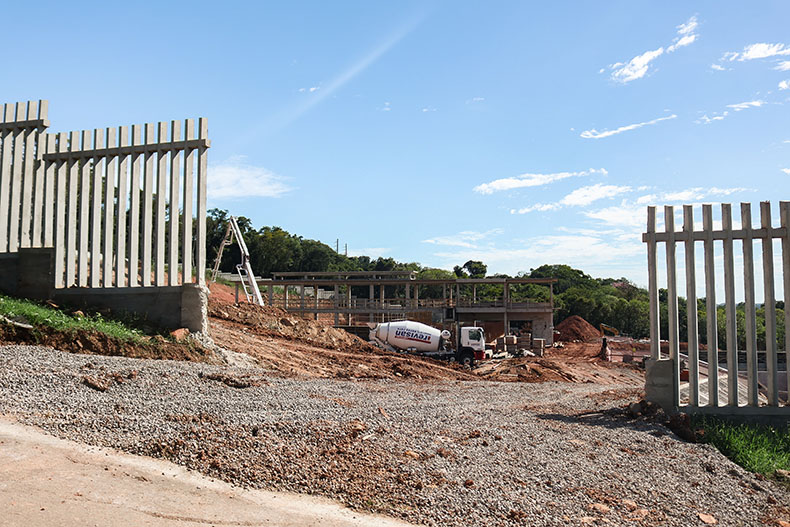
<point x="576" y="328"/>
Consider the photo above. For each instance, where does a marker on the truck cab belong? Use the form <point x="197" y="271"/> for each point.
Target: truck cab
<point x="471" y="346"/>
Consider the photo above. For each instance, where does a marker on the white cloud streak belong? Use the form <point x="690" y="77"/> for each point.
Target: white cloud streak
<point x="595" y="134"/>
<point x="784" y="85"/>
<point x="714" y="117"/>
<point x="578" y="198"/>
<point x="757" y="51"/>
<point x="234" y="179"/>
<point x="746" y="105"/>
<point x="531" y="180"/>
<point x="786" y="171"/>
<point x="637" y="67"/>
<point x="466" y="239"/>
<point x="783" y="66"/>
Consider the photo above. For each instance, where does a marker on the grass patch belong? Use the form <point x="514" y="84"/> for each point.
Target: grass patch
<point x="37" y="314"/>
<point x="757" y="448"/>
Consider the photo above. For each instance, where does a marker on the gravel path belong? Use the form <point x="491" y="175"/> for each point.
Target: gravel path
<point x="438" y="453"/>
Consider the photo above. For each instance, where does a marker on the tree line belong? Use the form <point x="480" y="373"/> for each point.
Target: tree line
<point x="616" y="302"/>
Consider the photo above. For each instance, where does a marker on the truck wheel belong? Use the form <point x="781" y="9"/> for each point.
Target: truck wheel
<point x="467" y="359"/>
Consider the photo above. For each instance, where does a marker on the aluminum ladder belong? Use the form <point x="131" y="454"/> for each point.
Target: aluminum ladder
<point x="244" y="269"/>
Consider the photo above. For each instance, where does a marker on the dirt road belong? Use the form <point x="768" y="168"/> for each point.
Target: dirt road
<point x="46" y="481"/>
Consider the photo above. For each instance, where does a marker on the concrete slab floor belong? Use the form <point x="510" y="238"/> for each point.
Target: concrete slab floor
<point x="48" y="481"/>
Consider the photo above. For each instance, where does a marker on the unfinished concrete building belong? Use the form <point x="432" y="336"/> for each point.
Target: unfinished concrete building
<point x="354" y="298"/>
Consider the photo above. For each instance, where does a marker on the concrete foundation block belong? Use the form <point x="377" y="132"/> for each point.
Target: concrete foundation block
<point x="9" y="273"/>
<point x="194" y="307"/>
<point x="36" y="277"/>
<point x="660" y="383"/>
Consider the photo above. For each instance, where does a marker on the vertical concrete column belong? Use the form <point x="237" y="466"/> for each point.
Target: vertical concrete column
<point x="381" y="295"/>
<point x="371" y="300"/>
<point x="474" y="293"/>
<point x="337" y="307"/>
<point x="285" y="296"/>
<point x="348" y="304"/>
<point x="416" y="296"/>
<point x="315" y="295"/>
<point x="301" y="305"/>
<point x="271" y="294"/>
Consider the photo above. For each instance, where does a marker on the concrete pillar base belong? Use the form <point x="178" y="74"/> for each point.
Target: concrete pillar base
<point x="194" y="307"/>
<point x="660" y="384"/>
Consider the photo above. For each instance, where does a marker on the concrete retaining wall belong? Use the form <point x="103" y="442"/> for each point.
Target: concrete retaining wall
<point x="30" y="274"/>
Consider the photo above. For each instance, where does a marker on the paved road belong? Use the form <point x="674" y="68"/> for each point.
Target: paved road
<point x="46" y="481"/>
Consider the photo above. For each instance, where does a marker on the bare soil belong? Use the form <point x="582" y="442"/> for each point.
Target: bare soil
<point x="575" y="328"/>
<point x="292" y="346"/>
<point x="96" y="343"/>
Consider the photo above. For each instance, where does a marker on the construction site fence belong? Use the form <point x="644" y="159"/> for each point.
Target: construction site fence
<point x="116" y="204"/>
<point x="761" y="385"/>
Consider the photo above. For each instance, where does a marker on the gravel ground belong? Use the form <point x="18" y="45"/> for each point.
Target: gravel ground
<point x="437" y="453"/>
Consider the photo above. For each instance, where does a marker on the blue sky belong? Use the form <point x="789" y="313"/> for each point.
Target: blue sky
<point x="516" y="133"/>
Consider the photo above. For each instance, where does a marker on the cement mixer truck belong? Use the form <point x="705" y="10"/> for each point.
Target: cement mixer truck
<point x="415" y="337"/>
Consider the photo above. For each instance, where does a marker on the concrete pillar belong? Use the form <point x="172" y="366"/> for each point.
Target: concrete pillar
<point x="337" y="307"/>
<point x="416" y="296"/>
<point x="381" y="295"/>
<point x="348" y="304"/>
<point x="285" y="296"/>
<point x="315" y="298"/>
<point x="271" y="294"/>
<point x="474" y="293"/>
<point x="194" y="308"/>
<point x="660" y="383"/>
<point x="371" y="300"/>
<point x="301" y="303"/>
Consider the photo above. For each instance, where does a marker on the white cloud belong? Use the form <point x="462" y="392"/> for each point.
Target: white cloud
<point x="757" y="51"/>
<point x="717" y="67"/>
<point x="786" y="171"/>
<point x="685" y="36"/>
<point x="746" y="105"/>
<point x="593" y="252"/>
<point x="623" y="215"/>
<point x="465" y="239"/>
<point x="373" y="252"/>
<point x="632" y="214"/>
<point x="236" y="179"/>
<point x="689" y="27"/>
<point x="386" y="108"/>
<point x="595" y="134"/>
<point x="586" y="195"/>
<point x="428" y="109"/>
<point x="636" y="68"/>
<point x="578" y="198"/>
<point x="690" y="194"/>
<point x="475" y="99"/>
<point x="531" y="180"/>
<point x="312" y="89"/>
<point x="783" y="66"/>
<point x="684" y="41"/>
<point x="714" y="117"/>
<point x="784" y="85"/>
